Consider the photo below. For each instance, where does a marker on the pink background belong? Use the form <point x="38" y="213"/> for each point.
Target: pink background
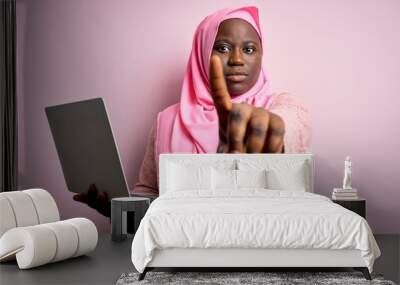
<point x="341" y="56"/>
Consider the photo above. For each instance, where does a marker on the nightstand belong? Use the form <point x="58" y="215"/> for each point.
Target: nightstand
<point x="358" y="206"/>
<point x="126" y="214"/>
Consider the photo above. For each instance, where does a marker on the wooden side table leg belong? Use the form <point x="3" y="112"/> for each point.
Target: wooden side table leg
<point x="116" y="222"/>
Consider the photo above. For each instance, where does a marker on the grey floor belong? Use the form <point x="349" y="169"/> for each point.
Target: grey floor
<point x="103" y="266"/>
<point x="389" y="262"/>
<point x="110" y="260"/>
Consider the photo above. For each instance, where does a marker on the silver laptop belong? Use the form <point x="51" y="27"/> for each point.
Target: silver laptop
<point x="86" y="147"/>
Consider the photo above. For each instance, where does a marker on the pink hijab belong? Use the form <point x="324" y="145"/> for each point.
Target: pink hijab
<point x="191" y="126"/>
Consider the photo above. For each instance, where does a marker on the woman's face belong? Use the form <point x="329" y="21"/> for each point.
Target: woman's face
<point x="238" y="46"/>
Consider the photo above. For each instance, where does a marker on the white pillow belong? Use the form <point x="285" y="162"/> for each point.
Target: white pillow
<point x="281" y="174"/>
<point x="251" y="178"/>
<point x="188" y="177"/>
<point x="293" y="179"/>
<point x="224" y="179"/>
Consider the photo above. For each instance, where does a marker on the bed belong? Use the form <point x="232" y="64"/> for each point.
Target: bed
<point x="245" y="211"/>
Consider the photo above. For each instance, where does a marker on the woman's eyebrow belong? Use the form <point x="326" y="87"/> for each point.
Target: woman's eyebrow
<point x="228" y="41"/>
<point x="251" y="42"/>
<point x="222" y="40"/>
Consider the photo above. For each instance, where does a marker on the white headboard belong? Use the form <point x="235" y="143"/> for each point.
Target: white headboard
<point x="229" y="161"/>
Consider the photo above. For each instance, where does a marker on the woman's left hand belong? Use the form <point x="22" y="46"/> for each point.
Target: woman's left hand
<point x="242" y="127"/>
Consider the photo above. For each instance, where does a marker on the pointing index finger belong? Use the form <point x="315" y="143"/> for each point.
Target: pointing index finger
<point x="219" y="91"/>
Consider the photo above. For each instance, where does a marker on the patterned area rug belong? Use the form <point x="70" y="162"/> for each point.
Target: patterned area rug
<point x="273" y="278"/>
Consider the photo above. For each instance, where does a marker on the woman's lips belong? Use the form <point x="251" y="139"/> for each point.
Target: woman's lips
<point x="236" y="77"/>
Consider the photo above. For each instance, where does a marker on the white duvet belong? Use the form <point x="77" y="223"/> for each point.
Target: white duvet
<point x="250" y="218"/>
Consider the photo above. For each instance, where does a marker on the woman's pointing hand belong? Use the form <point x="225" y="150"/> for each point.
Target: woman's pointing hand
<point x="242" y="127"/>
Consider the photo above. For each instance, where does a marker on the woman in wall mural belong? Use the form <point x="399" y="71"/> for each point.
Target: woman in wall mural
<point x="226" y="104"/>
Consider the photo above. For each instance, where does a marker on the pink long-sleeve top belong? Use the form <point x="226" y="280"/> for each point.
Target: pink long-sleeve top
<point x="297" y="139"/>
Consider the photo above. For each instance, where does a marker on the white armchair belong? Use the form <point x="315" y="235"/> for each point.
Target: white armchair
<point x="31" y="230"/>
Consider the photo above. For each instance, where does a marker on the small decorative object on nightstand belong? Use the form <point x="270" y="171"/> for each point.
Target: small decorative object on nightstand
<point x="347" y="173"/>
<point x="358" y="205"/>
<point x="121" y="208"/>
<point x="347" y="192"/>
